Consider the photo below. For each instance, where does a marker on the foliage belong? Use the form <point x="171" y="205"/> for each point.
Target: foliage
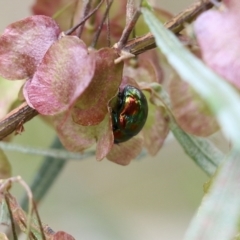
<point x="74" y="77"/>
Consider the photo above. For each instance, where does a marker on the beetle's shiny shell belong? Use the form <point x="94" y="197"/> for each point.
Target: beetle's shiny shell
<point x="130" y="114"/>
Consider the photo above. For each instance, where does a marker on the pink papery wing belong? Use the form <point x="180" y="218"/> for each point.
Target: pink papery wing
<point x="63" y="75"/>
<point x="23" y="45"/>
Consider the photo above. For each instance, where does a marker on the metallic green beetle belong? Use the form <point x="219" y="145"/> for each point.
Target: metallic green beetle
<point x="130" y="114"/>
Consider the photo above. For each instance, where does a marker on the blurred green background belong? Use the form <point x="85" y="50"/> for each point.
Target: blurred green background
<point x="152" y="198"/>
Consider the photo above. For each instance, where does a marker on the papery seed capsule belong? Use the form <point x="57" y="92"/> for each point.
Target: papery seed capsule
<point x="130" y="114"/>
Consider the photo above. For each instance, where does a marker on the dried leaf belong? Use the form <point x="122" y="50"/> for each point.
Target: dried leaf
<point x="20" y="218"/>
<point x="123" y="153"/>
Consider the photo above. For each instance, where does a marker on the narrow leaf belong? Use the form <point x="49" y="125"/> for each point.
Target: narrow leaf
<point x="219" y="213"/>
<point x="200" y="150"/>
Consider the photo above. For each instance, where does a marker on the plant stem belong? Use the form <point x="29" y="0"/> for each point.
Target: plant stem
<point x="54" y="153"/>
<point x="15" y="119"/>
<point x="86" y="10"/>
<point x="45" y="177"/>
<point x="73" y="29"/>
<point x="99" y="29"/>
<point x="128" y="29"/>
<point x="146" y="42"/>
<point x="11" y="217"/>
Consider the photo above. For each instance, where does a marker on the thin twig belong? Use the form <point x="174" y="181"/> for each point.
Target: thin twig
<point x="135" y="46"/>
<point x="108" y="29"/>
<point x="146" y="42"/>
<point x="31" y="234"/>
<point x="39" y="220"/>
<point x="30" y="205"/>
<point x="96" y="36"/>
<point x="130" y="22"/>
<point x="70" y="31"/>
<point x="4" y="184"/>
<point x="15" y="119"/>
<point x="129" y="10"/>
<point x="11" y="217"/>
<point x="128" y="29"/>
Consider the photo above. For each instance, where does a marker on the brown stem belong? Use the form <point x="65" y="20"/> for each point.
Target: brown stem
<point x="86" y="10"/>
<point x="39" y="220"/>
<point x="70" y="31"/>
<point x="97" y="34"/>
<point x="146" y="42"/>
<point x="16" y="118"/>
<point x="108" y="29"/>
<point x="128" y="29"/>
<point x="11" y="217"/>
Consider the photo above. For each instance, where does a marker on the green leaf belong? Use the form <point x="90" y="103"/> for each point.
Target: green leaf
<point x="202" y="151"/>
<point x="4" y="214"/>
<point x="218" y="215"/>
<point x="221" y="97"/>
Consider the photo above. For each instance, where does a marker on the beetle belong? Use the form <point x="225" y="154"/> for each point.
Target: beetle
<point x="129" y="114"/>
